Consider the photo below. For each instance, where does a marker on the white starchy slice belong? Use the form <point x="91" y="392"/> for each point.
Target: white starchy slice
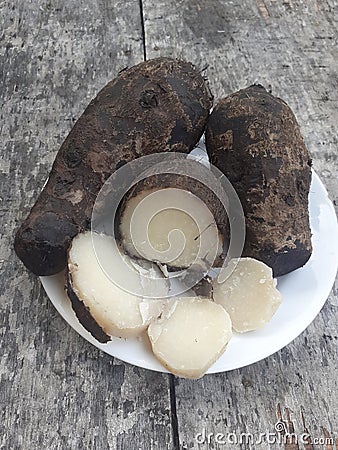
<point x="249" y="294"/>
<point x="116" y="311"/>
<point x="190" y="335"/>
<point x="170" y="226"/>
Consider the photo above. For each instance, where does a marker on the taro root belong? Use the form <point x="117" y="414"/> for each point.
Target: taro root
<point x="191" y="334"/>
<point x="254" y="139"/>
<point x="102" y="306"/>
<point x="174" y="220"/>
<point x="157" y="106"/>
<point x="249" y="294"/>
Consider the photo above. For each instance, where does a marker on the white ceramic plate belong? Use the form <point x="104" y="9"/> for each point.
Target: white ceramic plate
<point x="304" y="293"/>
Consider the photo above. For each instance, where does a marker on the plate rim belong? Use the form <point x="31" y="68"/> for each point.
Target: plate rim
<point x="297" y="331"/>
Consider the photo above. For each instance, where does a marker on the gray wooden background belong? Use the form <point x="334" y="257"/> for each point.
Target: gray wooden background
<point x="59" y="392"/>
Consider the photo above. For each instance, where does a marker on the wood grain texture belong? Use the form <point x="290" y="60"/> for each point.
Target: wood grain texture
<point x="56" y="390"/>
<point x="291" y="48"/>
<point x="59" y="392"/>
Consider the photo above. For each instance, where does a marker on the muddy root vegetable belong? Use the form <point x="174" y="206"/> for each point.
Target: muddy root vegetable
<point x="157" y="106"/>
<point x="254" y="139"/>
<point x="174" y="220"/>
<point x="103" y="307"/>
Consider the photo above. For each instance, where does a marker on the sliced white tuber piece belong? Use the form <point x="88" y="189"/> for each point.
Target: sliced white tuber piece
<point x="170" y="226"/>
<point x="116" y="311"/>
<point x="249" y="294"/>
<point x="190" y="335"/>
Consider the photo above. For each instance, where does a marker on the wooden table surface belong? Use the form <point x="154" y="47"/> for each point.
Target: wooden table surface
<point x="58" y="391"/>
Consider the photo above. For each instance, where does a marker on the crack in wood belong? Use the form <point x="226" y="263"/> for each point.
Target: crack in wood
<point x="329" y="445"/>
<point x="53" y="377"/>
<point x="263" y="9"/>
<point x="173" y="411"/>
<point x="143" y="31"/>
<point x="292" y="439"/>
<point x="308" y="442"/>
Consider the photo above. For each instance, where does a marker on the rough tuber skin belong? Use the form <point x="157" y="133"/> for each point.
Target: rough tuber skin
<point x="157" y="106"/>
<point x="103" y="307"/>
<point x="83" y="314"/>
<point x="254" y="139"/>
<point x="187" y="185"/>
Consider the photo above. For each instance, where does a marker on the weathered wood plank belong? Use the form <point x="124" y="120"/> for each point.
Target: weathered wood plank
<point x="57" y="391"/>
<point x="291" y="48"/>
<point x="293" y="52"/>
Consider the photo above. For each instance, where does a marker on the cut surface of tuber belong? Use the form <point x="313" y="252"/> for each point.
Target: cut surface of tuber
<point x="249" y="294"/>
<point x="190" y="335"/>
<point x="118" y="312"/>
<point x="170" y="226"/>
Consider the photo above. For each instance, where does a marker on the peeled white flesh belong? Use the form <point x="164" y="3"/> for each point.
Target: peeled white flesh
<point x="190" y="335"/>
<point x="119" y="312"/>
<point x="249" y="294"/>
<point x="170" y="226"/>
